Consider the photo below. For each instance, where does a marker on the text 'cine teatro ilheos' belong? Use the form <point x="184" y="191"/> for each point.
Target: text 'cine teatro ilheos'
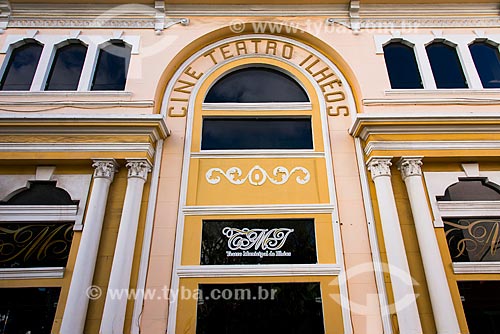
<point x="270" y="167"/>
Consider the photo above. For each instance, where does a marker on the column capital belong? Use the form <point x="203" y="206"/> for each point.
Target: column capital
<point x="410" y="166"/>
<point x="105" y="168"/>
<point x="138" y="168"/>
<point x="379" y="166"/>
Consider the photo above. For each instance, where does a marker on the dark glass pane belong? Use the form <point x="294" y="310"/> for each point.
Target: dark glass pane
<point x="292" y="308"/>
<point x="256" y="133"/>
<point x="471" y="189"/>
<point x="67" y="67"/>
<point x="256" y="84"/>
<point x="446" y="66"/>
<point x="402" y="66"/>
<point x="473" y="239"/>
<point x="259" y="241"/>
<point x="28" y="310"/>
<point x="481" y="302"/>
<point x="35" y="244"/>
<point x="112" y="67"/>
<point x="41" y="193"/>
<point x="487" y="61"/>
<point x="21" y="68"/>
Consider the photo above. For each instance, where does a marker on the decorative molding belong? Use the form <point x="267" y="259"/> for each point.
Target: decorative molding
<point x="354" y="18"/>
<point x="468" y="208"/>
<point x="159" y="16"/>
<point x="379" y="166"/>
<point x="44" y="173"/>
<point x="258" y="209"/>
<point x="258" y="106"/>
<point x="257" y="154"/>
<point x="89" y="104"/>
<point x="451" y="145"/>
<point x="410" y="166"/>
<point x="138" y="168"/>
<point x="78" y="147"/>
<point x="257" y="176"/>
<point x="476" y="267"/>
<point x="441" y="91"/>
<point x="38" y="213"/>
<point x="435" y="101"/>
<point x="5" y="13"/>
<point x="264" y="270"/>
<point x="171" y="22"/>
<point x="471" y="169"/>
<point x="31" y="273"/>
<point x="105" y="168"/>
<point x="337" y="10"/>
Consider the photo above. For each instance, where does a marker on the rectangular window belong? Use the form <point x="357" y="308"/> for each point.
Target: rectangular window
<point x="28" y="310"/>
<point x="35" y="244"/>
<point x="473" y="239"/>
<point x="262" y="241"/>
<point x="267" y="308"/>
<point x="481" y="302"/>
<point x="260" y="133"/>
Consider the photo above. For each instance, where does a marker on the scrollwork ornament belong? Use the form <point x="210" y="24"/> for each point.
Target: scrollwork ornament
<point x="257" y="176"/>
<point x="258" y="238"/>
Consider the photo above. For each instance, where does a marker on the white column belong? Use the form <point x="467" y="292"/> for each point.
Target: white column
<point x="401" y="280"/>
<point x="113" y="317"/>
<point x="75" y="311"/>
<point x="442" y="304"/>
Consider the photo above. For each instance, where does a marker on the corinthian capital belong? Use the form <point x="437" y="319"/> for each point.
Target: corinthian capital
<point x="138" y="168"/>
<point x="379" y="166"/>
<point x="105" y="168"/>
<point x="410" y="166"/>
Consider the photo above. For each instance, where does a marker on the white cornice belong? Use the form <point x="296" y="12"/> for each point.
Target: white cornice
<point x="430" y="145"/>
<point x="468" y="208"/>
<point x="28" y="123"/>
<point x="368" y="123"/>
<point x="31" y="273"/>
<point x="258" y="106"/>
<point x="434" y="101"/>
<point x="34" y="213"/>
<point x="476" y="267"/>
<point x="259" y="270"/>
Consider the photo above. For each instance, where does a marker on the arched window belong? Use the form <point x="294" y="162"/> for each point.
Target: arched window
<point x="487" y="61"/>
<point x="446" y="66"/>
<point x="21" y="67"/>
<point x="402" y="66"/>
<point x="67" y="67"/>
<point x="471" y="189"/>
<point x="112" y="66"/>
<point x="256" y="85"/>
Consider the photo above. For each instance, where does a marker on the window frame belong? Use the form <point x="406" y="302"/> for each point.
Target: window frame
<point x="454" y="46"/>
<point x="417" y="62"/>
<point x="486" y="41"/>
<point x="96" y="57"/>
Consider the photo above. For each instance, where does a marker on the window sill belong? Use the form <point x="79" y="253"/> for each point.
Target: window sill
<point x="229" y="154"/>
<point x="31" y="273"/>
<point x="110" y="93"/>
<point x="476" y="267"/>
<point x="442" y="91"/>
<point x="262" y="270"/>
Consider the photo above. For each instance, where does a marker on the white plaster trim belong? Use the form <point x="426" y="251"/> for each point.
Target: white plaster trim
<point x="81" y="147"/>
<point x="256" y="154"/>
<point x="476" y="267"/>
<point x="372" y="236"/>
<point x="36" y="213"/>
<point x="435" y="101"/>
<point x="338" y="10"/>
<point x="438" y="182"/>
<point x="262" y="270"/>
<point x="431" y="145"/>
<point x="344" y="294"/>
<point x="430" y="92"/>
<point x="257" y="106"/>
<point x="148" y="236"/>
<point x="31" y="273"/>
<point x="258" y="209"/>
<point x="86" y="104"/>
<point x="469" y="208"/>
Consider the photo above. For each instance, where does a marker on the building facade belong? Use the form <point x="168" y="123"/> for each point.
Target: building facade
<point x="271" y="167"/>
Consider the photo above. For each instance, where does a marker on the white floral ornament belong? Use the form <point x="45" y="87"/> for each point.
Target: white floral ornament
<point x="257" y="176"/>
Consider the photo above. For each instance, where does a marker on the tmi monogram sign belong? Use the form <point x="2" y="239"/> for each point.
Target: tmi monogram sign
<point x="256" y="242"/>
<point x="260" y="241"/>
